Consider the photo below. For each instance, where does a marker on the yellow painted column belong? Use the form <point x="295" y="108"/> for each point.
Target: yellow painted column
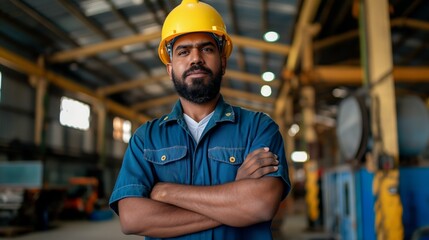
<point x="377" y="61"/>
<point x="311" y="166"/>
<point x="312" y="190"/>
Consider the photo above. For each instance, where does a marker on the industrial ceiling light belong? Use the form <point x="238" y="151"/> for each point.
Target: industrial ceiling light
<point x="271" y="36"/>
<point x="268" y="76"/>
<point x="299" y="156"/>
<point x="266" y="91"/>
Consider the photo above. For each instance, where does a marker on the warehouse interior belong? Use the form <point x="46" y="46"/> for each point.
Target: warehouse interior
<point x="347" y="81"/>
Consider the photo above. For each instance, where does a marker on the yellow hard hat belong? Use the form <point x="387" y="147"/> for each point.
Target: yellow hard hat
<point x="192" y="16"/>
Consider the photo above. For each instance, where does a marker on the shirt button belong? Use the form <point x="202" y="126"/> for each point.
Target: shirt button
<point x="227" y="114"/>
<point x="163" y="158"/>
<point x="232" y="159"/>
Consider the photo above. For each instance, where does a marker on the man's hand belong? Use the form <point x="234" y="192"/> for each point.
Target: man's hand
<point x="237" y="203"/>
<point x="258" y="164"/>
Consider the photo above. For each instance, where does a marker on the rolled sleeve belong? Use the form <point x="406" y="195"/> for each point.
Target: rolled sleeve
<point x="135" y="178"/>
<point x="269" y="136"/>
<point x="132" y="190"/>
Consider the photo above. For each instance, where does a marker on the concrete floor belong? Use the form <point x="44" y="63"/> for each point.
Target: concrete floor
<point x="79" y="230"/>
<point x="293" y="227"/>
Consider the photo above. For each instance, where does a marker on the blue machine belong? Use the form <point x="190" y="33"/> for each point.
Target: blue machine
<point x="414" y="192"/>
<point x="338" y="190"/>
<point x="349" y="201"/>
<point x="365" y="205"/>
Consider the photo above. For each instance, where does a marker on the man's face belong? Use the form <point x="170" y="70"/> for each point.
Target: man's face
<point x="196" y="67"/>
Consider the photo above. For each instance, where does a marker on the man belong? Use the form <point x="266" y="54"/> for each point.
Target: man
<point x="207" y="170"/>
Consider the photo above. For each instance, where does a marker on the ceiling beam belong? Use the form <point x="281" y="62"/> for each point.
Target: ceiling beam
<point x="346" y="75"/>
<point x="105" y="46"/>
<point x="132" y="84"/>
<point x="22" y="65"/>
<point x="226" y="92"/>
<point x="277" y="48"/>
<point x="232" y="93"/>
<point x="109" y="45"/>
<point x="250" y="78"/>
<point x="329" y="41"/>
<point x="397" y="22"/>
<point x="155" y="102"/>
<point x="254" y="107"/>
<point x="411" y="23"/>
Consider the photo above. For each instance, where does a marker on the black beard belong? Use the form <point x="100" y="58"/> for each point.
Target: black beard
<point x="198" y="91"/>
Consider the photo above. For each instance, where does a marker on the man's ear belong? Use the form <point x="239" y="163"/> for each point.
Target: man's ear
<point x="223" y="62"/>
<point x="169" y="70"/>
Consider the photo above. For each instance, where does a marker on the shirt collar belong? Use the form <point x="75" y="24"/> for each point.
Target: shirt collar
<point x="223" y="112"/>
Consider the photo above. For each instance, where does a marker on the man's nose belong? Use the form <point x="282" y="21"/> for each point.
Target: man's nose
<point x="196" y="57"/>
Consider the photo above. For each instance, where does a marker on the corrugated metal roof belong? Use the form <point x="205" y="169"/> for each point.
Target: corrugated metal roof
<point x="45" y="27"/>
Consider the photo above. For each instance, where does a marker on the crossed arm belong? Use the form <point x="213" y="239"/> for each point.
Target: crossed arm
<point x="175" y="209"/>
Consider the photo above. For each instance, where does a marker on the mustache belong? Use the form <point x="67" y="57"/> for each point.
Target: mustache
<point x="197" y="68"/>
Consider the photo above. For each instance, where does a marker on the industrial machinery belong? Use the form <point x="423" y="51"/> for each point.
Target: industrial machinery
<point x="349" y="192"/>
<point x="25" y="204"/>
<point x="353" y="130"/>
<point x="83" y="202"/>
<point x="81" y="198"/>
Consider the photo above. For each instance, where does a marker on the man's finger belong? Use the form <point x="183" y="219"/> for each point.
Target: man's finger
<point x="264" y="171"/>
<point x="248" y="160"/>
<point x="257" y="151"/>
<point x="261" y="162"/>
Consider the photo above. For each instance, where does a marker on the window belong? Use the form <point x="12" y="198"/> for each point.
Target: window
<point x="121" y="129"/>
<point x="74" y="114"/>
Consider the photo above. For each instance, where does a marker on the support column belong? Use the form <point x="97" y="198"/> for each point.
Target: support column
<point x="308" y="116"/>
<point x="311" y="166"/>
<point x="288" y="116"/>
<point x="101" y="133"/>
<point x="377" y="61"/>
<point x="41" y="85"/>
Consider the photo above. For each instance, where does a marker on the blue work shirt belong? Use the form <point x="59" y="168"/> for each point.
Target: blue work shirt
<point x="163" y="150"/>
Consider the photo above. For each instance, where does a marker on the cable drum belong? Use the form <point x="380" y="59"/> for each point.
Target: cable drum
<point x="353" y="126"/>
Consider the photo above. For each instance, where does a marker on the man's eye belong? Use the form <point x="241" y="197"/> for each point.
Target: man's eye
<point x="208" y="49"/>
<point x="182" y="52"/>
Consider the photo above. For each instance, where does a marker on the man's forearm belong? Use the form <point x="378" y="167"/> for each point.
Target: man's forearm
<point x="240" y="203"/>
<point x="148" y="217"/>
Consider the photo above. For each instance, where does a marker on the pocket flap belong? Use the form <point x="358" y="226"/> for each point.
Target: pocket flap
<point x="165" y="155"/>
<point x="232" y="156"/>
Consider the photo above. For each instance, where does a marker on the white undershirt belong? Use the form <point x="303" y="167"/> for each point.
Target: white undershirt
<point x="197" y="128"/>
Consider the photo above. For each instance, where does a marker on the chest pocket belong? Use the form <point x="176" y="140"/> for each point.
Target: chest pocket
<point x="170" y="164"/>
<point x="224" y="163"/>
